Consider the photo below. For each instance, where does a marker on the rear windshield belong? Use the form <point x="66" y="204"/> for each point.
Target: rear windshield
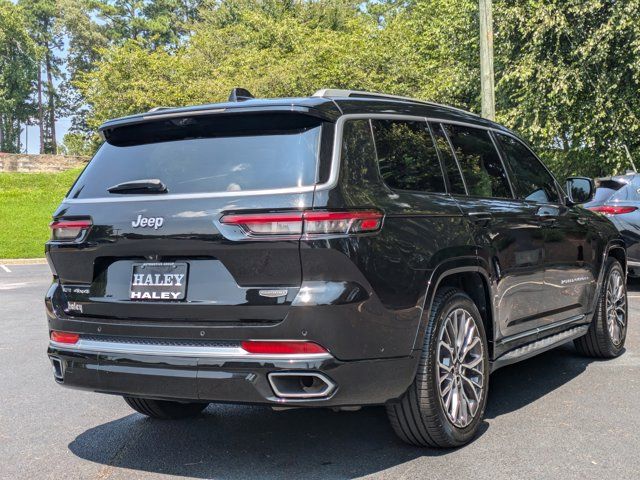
<point x="207" y="155"/>
<point x="605" y="189"/>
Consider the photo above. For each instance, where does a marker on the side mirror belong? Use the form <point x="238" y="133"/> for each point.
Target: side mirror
<point x="580" y="189"/>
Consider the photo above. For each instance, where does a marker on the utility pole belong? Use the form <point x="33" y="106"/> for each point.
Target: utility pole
<point x="486" y="60"/>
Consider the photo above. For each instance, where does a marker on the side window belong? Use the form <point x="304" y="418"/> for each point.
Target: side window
<point x="450" y="165"/>
<point x="358" y="153"/>
<point x="479" y="160"/>
<point x="531" y="180"/>
<point x="407" y="157"/>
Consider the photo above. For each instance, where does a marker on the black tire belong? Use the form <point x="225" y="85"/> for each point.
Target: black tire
<point x="164" y="410"/>
<point x="419" y="417"/>
<point x="598" y="342"/>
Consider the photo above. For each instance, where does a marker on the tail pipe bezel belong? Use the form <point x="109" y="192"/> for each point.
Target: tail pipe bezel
<point x="58" y="369"/>
<point x="291" y="386"/>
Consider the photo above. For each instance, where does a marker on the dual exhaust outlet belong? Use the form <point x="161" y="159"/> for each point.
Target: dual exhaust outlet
<point x="301" y="385"/>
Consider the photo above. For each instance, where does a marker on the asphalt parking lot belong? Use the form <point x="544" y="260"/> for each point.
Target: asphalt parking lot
<point x="555" y="416"/>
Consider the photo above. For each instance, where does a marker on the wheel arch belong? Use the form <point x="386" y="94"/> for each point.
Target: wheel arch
<point x="465" y="274"/>
<point x="618" y="252"/>
<point x="615" y="249"/>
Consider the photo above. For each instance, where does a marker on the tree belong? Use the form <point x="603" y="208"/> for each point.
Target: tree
<point x="569" y="76"/>
<point x="42" y="16"/>
<point x="567" y="72"/>
<point x="17" y="72"/>
<point x="283" y="48"/>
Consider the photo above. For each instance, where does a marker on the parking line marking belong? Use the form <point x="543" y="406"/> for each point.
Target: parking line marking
<point x="13" y="286"/>
<point x="5" y="268"/>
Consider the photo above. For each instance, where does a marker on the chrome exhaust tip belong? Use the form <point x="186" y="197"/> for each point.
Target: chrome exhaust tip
<point x="301" y="385"/>
<point x="58" y="370"/>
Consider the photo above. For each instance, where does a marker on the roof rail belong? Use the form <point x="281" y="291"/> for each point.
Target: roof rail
<point x="157" y="109"/>
<point x="335" y="92"/>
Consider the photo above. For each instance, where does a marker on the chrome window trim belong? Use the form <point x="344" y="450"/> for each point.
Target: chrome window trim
<point x="226" y="353"/>
<point x="331" y="182"/>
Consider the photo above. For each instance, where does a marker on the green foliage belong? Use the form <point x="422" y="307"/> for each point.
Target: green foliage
<point x="285" y="48"/>
<point x="568" y="79"/>
<point x="567" y="71"/>
<point x="31" y="197"/>
<point x="133" y="79"/>
<point x="17" y="70"/>
<point x="80" y="144"/>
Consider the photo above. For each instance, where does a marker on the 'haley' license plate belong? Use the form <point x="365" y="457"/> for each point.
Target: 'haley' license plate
<point x="158" y="281"/>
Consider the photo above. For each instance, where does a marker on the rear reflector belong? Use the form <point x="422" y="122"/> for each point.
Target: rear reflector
<point x="282" y="347"/>
<point x="613" y="209"/>
<point x="309" y="222"/>
<point x="64" y="337"/>
<point x="68" y="230"/>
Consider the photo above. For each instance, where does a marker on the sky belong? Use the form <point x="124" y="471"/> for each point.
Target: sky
<point x="32" y="134"/>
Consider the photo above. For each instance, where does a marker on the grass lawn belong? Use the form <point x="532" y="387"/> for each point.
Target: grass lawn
<point x="27" y="201"/>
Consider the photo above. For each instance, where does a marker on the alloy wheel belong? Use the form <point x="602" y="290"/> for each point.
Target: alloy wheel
<point x="460" y="367"/>
<point x="616" y="307"/>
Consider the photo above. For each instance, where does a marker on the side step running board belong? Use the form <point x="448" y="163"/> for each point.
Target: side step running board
<point x="539" y="346"/>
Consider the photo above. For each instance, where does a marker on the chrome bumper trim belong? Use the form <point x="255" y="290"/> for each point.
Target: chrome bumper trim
<point x="227" y="353"/>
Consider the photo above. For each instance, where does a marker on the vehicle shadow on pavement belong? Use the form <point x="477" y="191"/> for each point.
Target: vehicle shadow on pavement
<point x="235" y="442"/>
<point x="521" y="384"/>
<point x="232" y="442"/>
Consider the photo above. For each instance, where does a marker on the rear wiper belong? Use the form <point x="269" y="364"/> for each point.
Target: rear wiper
<point x="149" y="185"/>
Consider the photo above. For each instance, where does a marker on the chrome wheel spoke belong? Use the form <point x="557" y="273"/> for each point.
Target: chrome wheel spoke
<point x="460" y="367"/>
<point x="476" y="388"/>
<point x="469" y="347"/>
<point x="616" y="307"/>
<point x="446" y="368"/>
<point x="473" y="363"/>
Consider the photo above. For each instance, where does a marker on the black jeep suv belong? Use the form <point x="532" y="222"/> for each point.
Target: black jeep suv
<point x="340" y="250"/>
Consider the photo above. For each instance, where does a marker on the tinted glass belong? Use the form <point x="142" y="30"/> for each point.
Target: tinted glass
<point x="531" y="180"/>
<point x="358" y="153"/>
<point x="237" y="160"/>
<point x="453" y="172"/>
<point x="605" y="188"/>
<point x="407" y="157"/>
<point x="479" y="160"/>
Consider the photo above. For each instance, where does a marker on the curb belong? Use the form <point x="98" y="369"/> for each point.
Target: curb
<point x="23" y="261"/>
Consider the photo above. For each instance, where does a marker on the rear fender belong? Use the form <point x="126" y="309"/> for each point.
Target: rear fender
<point x="439" y="274"/>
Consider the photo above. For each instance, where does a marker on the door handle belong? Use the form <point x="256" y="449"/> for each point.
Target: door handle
<point x="547" y="215"/>
<point x="480" y="217"/>
<point x="549" y="221"/>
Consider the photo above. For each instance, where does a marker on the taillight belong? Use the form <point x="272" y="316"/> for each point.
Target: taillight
<point x="308" y="222"/>
<point x="613" y="209"/>
<point x="268" y="347"/>
<point x="267" y="223"/>
<point x="64" y="337"/>
<point x="68" y="230"/>
<point x="341" y="222"/>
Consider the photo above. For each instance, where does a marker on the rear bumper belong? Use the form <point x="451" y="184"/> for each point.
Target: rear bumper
<point x="226" y="378"/>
